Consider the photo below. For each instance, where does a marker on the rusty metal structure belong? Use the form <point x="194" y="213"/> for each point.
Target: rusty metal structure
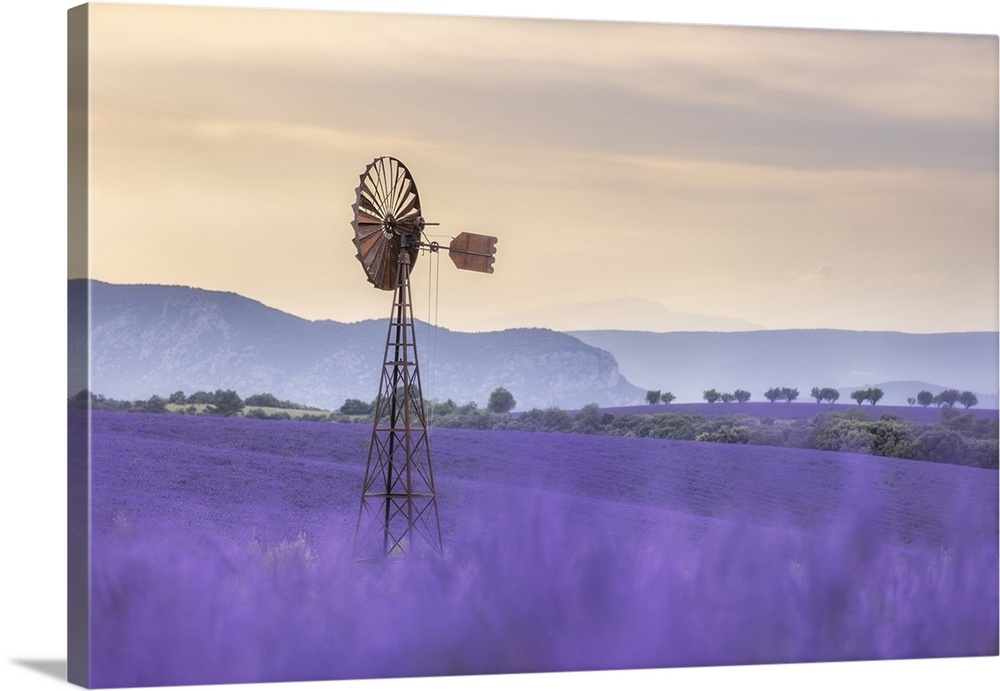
<point x="398" y="514"/>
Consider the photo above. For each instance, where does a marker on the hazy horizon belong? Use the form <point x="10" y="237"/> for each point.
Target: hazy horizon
<point x="786" y="178"/>
<point x="422" y="316"/>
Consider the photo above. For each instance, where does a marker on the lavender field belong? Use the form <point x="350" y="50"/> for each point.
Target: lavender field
<point x="221" y="553"/>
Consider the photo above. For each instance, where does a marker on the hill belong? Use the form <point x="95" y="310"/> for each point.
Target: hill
<point x="154" y="339"/>
<point x="688" y="363"/>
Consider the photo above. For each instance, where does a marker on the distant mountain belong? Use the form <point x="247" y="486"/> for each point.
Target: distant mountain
<point x="624" y="314"/>
<point x="154" y="339"/>
<point x="150" y="339"/>
<point x="687" y="364"/>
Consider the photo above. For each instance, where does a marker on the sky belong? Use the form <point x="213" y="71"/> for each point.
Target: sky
<point x="777" y="178"/>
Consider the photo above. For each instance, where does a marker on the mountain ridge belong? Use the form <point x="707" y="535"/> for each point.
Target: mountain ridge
<point x="156" y="339"/>
<point x="152" y="339"/>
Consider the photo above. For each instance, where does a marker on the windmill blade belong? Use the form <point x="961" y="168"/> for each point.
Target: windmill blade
<point x="473" y="252"/>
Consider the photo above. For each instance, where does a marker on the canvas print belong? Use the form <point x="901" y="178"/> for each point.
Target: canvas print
<point x="423" y="346"/>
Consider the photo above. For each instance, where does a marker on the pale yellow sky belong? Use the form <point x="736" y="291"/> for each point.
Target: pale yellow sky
<point x="788" y="178"/>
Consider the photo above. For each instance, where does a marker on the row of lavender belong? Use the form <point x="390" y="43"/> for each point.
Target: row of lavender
<point x="220" y="554"/>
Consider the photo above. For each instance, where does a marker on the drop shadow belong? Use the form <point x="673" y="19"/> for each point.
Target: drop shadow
<point x="50" y="668"/>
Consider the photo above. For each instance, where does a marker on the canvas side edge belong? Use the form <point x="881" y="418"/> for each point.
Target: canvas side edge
<point x="78" y="349"/>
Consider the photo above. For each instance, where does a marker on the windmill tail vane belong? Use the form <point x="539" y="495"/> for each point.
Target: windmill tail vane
<point x="398" y="512"/>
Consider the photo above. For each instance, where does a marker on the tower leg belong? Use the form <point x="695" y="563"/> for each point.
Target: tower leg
<point x="399" y="513"/>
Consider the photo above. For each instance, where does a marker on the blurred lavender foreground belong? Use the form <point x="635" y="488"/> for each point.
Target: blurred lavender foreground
<point x="221" y="553"/>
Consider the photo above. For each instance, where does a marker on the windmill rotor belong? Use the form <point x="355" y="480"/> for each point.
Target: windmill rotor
<point x="386" y="219"/>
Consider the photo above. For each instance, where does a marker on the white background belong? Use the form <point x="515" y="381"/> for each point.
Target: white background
<point x="32" y="347"/>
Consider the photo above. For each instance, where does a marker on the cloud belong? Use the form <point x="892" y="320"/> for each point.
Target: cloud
<point x="656" y="158"/>
<point x="820" y="273"/>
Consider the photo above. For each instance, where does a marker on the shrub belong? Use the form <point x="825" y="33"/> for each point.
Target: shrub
<point x="225" y="403"/>
<point x="200" y="398"/>
<point x="737" y="434"/>
<point x="155" y="404"/>
<point x="548" y="420"/>
<point x="941" y="445"/>
<point x="352" y="406"/>
<point x="588" y="420"/>
<point x="853" y="436"/>
<point x="892" y="437"/>
<point x="264" y="400"/>
<point x="446" y="408"/>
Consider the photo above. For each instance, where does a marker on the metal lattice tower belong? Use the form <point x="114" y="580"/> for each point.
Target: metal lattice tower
<point x="399" y="512"/>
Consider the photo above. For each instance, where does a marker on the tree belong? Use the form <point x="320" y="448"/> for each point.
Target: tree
<point x="225" y="403"/>
<point x="667" y="397"/>
<point x="860" y="395"/>
<point x="501" y="401"/>
<point x="81" y="399"/>
<point x="727" y="397"/>
<point x="911" y="400"/>
<point x="200" y="398"/>
<point x="772" y="394"/>
<point x="967" y="399"/>
<point x="789" y="394"/>
<point x="711" y="395"/>
<point x="263" y="400"/>
<point x="825" y="394"/>
<point x="948" y="397"/>
<point x="155" y="404"/>
<point x="446" y="408"/>
<point x="653" y="397"/>
<point x="177" y="397"/>
<point x="352" y="406"/>
<point x="874" y="395"/>
<point x="741" y="395"/>
<point x="925" y="398"/>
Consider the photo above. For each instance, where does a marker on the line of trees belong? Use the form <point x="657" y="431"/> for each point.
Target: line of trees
<point x="739" y="395"/>
<point x="657" y="396"/>
<point x="219" y="403"/>
<point x="948" y="397"/>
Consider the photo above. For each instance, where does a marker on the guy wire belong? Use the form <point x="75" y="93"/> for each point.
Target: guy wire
<point x="433" y="282"/>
